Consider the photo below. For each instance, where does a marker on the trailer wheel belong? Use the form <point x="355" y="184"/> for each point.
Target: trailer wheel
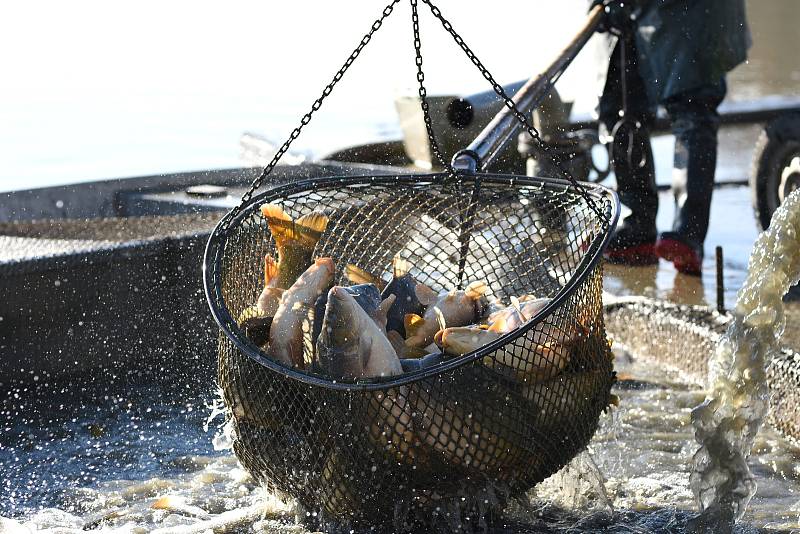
<point x="775" y="170"/>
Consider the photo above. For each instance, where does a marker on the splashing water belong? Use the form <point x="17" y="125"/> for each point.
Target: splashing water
<point x="727" y="422"/>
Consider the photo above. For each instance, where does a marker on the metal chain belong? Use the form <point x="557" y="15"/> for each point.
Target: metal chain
<point x="423" y="93"/>
<point x="521" y="118"/>
<point x="317" y="103"/>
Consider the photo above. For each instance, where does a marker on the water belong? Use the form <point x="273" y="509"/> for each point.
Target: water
<point x="726" y="424"/>
<point x="643" y="450"/>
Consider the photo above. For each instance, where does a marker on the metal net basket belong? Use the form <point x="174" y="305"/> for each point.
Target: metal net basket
<point x="476" y="428"/>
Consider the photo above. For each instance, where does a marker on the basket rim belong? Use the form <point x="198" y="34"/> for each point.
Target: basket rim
<point x="212" y="260"/>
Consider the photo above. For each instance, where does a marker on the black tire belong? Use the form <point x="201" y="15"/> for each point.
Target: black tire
<point x="777" y="146"/>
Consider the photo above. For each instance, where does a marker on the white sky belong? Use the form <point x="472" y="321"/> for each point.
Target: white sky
<point x="225" y="47"/>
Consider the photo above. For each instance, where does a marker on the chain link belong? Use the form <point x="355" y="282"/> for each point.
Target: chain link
<point x="498" y="89"/>
<point x="423" y="93"/>
<point x="317" y="104"/>
<point x="521" y="118"/>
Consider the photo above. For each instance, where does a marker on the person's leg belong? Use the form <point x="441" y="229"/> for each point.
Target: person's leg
<point x="694" y="119"/>
<point x="635" y="237"/>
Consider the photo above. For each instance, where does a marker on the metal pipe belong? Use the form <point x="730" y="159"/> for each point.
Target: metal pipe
<point x="490" y="142"/>
<point x="720" y="281"/>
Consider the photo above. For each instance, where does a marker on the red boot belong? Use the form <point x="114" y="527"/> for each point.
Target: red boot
<point x="630" y="246"/>
<point x="686" y="258"/>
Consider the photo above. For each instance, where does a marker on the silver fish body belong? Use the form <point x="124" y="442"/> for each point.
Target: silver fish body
<point x="351" y="345"/>
<point x="286" y="333"/>
<point x="454" y="308"/>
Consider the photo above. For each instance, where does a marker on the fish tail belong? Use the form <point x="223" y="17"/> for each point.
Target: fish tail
<point x="307" y="229"/>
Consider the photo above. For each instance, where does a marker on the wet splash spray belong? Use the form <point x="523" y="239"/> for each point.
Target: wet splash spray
<point x="727" y="422"/>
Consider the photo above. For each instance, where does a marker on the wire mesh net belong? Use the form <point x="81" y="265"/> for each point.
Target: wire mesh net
<point x="479" y="428"/>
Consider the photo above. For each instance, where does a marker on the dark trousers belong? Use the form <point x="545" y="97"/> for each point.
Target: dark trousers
<point x="694" y="122"/>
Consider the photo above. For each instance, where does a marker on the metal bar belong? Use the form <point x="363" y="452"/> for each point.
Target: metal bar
<point x="730" y="113"/>
<point x="720" y="282"/>
<point x="499" y="131"/>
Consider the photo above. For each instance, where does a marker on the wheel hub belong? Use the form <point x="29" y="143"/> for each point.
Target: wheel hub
<point x="790" y="177"/>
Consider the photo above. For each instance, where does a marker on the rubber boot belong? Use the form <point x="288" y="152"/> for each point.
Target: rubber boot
<point x="695" y="123"/>
<point x="633" y="242"/>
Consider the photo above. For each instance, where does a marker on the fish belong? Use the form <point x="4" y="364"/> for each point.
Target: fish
<point x="406" y="352"/>
<point x="514" y="316"/>
<point x="402" y="285"/>
<point x="286" y="333"/>
<point x="453" y="308"/>
<point x="481" y="439"/>
<point x="366" y="295"/>
<point x="524" y="358"/>
<point x="351" y="345"/>
<point x="256" y="325"/>
<point x="559" y="400"/>
<point x="295" y="240"/>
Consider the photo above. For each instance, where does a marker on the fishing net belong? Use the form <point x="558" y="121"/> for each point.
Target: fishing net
<point x="477" y="424"/>
<point x="459" y="434"/>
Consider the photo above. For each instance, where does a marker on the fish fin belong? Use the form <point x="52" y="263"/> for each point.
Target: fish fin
<point x="357" y="275"/>
<point x="280" y="223"/>
<point x="307" y="229"/>
<point x="515" y="303"/>
<point x="500" y="326"/>
<point x="425" y="295"/>
<point x="440" y="318"/>
<point x="400" y="267"/>
<point x="384" y="306"/>
<point x="397" y="341"/>
<point x="437" y="337"/>
<point x="314" y="221"/>
<point x="476" y="290"/>
<point x="365" y="347"/>
<point x="412" y="323"/>
<point x="270" y="269"/>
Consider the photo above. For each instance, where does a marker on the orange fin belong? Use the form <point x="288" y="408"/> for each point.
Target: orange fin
<point x="412" y="323"/>
<point x="307" y="229"/>
<point x="270" y="269"/>
<point x="312" y="223"/>
<point x="500" y="326"/>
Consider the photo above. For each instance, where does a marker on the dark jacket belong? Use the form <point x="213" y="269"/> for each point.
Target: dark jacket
<point x="685" y="44"/>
